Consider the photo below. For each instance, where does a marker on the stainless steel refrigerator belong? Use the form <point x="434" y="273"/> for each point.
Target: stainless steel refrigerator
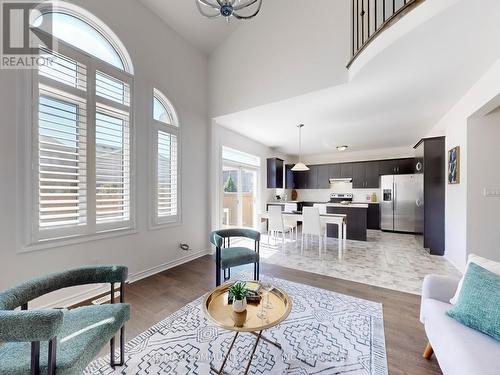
<point x="402" y="203"/>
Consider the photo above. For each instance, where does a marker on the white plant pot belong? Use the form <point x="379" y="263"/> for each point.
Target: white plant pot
<point x="240" y="305"/>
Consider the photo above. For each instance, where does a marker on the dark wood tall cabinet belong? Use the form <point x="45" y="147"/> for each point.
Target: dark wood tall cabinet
<point x="434" y="169"/>
<point x="274" y="173"/>
<point x="289" y="177"/>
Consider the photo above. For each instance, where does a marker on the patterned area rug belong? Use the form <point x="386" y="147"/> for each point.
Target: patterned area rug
<point x="326" y="333"/>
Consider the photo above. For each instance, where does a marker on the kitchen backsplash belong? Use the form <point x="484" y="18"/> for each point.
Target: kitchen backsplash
<point x="323" y="195"/>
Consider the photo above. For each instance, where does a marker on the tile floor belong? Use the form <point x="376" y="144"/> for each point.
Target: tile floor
<point x="389" y="260"/>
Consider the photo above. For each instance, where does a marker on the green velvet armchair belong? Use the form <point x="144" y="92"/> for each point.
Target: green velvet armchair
<point x="70" y="338"/>
<point x="227" y="257"/>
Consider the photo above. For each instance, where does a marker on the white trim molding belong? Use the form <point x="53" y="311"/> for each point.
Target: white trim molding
<point x="95" y="291"/>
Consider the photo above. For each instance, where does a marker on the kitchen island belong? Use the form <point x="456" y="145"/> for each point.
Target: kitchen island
<point x="357" y="220"/>
<point x="357" y="217"/>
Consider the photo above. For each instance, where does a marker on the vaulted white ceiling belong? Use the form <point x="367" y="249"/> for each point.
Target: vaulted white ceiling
<point x="183" y="16"/>
<point x="395" y="98"/>
<point x="392" y="101"/>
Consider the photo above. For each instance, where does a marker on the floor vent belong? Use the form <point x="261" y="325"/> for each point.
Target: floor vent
<point x="105" y="298"/>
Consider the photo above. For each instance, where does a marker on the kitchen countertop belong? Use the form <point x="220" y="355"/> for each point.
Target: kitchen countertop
<point x="352" y="205"/>
<point x="283" y="202"/>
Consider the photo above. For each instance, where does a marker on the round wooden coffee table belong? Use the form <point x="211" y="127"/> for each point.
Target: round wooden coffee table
<point x="220" y="313"/>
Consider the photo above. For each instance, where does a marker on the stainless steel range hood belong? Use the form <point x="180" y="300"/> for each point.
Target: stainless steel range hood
<point x="345" y="180"/>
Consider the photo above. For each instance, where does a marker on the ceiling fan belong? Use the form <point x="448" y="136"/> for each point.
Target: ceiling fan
<point x="229" y="8"/>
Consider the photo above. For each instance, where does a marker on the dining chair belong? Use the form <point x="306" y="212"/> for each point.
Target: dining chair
<point x="322" y="211"/>
<point x="277" y="225"/>
<point x="227" y="256"/>
<point x="311" y="226"/>
<point x="291" y="221"/>
<point x="321" y="208"/>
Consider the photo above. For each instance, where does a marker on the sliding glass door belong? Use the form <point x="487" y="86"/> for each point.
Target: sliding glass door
<point x="248" y="197"/>
<point x="239" y="193"/>
<point x="231" y="196"/>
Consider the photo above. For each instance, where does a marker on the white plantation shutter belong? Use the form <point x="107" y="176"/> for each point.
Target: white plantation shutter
<point x="167" y="175"/>
<point x="62" y="161"/>
<point x="166" y="199"/>
<point x="112" y="167"/>
<point x="112" y="148"/>
<point x="82" y="153"/>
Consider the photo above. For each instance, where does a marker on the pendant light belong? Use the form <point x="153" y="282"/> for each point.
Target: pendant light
<point x="299" y="167"/>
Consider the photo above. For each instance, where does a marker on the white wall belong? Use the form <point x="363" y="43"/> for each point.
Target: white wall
<point x="483" y="173"/>
<point x="454" y="126"/>
<point x="224" y="137"/>
<point x="290" y="49"/>
<point x="162" y="59"/>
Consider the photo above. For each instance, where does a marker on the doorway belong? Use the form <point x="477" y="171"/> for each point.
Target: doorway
<point x="239" y="189"/>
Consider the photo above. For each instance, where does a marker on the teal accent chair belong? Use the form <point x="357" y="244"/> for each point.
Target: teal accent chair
<point x="227" y="257"/>
<point x="71" y="338"/>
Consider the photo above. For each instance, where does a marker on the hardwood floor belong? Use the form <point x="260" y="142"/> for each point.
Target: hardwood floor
<point x="158" y="296"/>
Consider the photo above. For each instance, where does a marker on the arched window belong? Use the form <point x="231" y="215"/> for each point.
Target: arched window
<point x="79" y="33"/>
<point x="83" y="128"/>
<point x="166" y="177"/>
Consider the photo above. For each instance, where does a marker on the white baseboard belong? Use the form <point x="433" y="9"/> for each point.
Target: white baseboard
<point x="165" y="266"/>
<point x="452" y="261"/>
<point x="94" y="291"/>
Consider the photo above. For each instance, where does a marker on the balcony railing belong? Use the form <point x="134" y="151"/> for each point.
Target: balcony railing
<point x="371" y="17"/>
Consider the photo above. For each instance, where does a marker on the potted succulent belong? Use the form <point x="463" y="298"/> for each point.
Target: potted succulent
<point x="239" y="293"/>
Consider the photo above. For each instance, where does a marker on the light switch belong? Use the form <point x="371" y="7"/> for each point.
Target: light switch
<point x="491" y="192"/>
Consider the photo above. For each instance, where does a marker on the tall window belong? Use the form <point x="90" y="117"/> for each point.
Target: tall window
<point x="166" y="136"/>
<point x="82" y="135"/>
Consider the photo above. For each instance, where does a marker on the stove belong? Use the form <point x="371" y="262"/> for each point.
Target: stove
<point x="341" y="197"/>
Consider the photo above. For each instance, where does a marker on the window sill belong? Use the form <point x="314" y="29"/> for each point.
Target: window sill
<point x="50" y="244"/>
<point x="158" y="226"/>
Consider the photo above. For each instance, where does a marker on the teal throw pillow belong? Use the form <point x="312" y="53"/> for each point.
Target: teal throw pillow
<point x="478" y="305"/>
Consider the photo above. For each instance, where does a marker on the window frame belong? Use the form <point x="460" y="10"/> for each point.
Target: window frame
<point x="157" y="222"/>
<point x="55" y="237"/>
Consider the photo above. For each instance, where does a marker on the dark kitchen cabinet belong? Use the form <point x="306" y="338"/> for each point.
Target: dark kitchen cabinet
<point x="372" y="176"/>
<point x="300" y="179"/>
<point x="346" y="170"/>
<point x="365" y="175"/>
<point x="289" y="177"/>
<point x="274" y="173"/>
<point x="406" y="166"/>
<point x="434" y="160"/>
<point x="312" y="177"/>
<point x="397" y="166"/>
<point x="356" y="219"/>
<point x="334" y="171"/>
<point x="388" y="167"/>
<point x="323" y="176"/>
<point x="358" y="175"/>
<point x="373" y="220"/>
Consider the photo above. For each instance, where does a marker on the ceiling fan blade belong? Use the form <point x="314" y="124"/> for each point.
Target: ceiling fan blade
<point x="203" y="11"/>
<point x="208" y="3"/>
<point x="240" y="17"/>
<point x="245" y="5"/>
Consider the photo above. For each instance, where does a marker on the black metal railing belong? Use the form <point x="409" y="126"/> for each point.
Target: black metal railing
<point x="370" y="17"/>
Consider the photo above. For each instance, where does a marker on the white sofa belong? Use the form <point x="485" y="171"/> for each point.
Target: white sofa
<point x="459" y="350"/>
